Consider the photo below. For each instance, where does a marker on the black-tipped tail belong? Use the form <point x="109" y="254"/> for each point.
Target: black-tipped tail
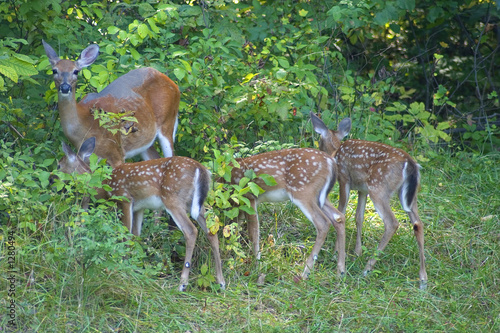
<point x="204" y="186"/>
<point x="408" y="190"/>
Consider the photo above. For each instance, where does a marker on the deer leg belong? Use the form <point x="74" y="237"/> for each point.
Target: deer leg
<point x="344" y="190"/>
<point x="150" y="154"/>
<point x="390" y="225"/>
<point x="166" y="143"/>
<point x="253" y="229"/>
<point x="322" y="224"/>
<point x="360" y="216"/>
<point x="127" y="217"/>
<point x="338" y="221"/>
<point x="137" y="224"/>
<point x="190" y="233"/>
<point x="214" y="243"/>
<point x="418" y="229"/>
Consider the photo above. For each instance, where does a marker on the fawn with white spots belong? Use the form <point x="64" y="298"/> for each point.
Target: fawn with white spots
<point x="377" y="170"/>
<point x="149" y="95"/>
<point x="305" y="177"/>
<point x="176" y="184"/>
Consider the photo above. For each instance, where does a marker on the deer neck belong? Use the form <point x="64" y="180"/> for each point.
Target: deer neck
<point x="75" y="122"/>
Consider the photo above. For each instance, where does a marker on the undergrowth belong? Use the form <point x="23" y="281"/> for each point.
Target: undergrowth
<point x="458" y="202"/>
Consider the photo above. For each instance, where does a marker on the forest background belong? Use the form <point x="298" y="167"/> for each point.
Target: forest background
<point x="418" y="75"/>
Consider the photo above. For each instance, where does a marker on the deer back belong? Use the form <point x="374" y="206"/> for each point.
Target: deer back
<point x="298" y="172"/>
<point x="180" y="181"/>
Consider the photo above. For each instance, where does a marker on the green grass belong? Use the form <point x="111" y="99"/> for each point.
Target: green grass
<point x="459" y="203"/>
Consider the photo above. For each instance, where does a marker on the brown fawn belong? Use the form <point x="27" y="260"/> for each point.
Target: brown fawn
<point x="305" y="177"/>
<point x="176" y="184"/>
<point x="150" y="96"/>
<point x="377" y="170"/>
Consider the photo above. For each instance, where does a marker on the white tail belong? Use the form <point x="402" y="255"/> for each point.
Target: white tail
<point x="150" y="96"/>
<point x="378" y="170"/>
<point x="176" y="184"/>
<point x="306" y="177"/>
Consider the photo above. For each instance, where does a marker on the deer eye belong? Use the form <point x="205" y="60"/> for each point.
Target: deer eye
<point x="54" y="71"/>
<point x="76" y="71"/>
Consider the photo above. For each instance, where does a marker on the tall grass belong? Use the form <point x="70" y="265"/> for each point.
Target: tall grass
<point x="459" y="203"/>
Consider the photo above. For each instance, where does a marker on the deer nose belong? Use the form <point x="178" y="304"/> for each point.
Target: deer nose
<point x="65" y="88"/>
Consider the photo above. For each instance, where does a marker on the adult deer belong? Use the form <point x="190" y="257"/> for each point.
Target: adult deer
<point x="150" y="96"/>
<point x="377" y="170"/>
<point x="304" y="176"/>
<point x="176" y="184"/>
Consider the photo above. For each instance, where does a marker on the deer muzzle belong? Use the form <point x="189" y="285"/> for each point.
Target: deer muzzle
<point x="65" y="88"/>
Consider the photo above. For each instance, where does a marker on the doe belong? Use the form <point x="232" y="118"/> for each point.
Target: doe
<point x="149" y="95"/>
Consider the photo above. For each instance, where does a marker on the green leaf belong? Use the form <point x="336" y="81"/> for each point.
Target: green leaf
<point x="180" y="73"/>
<point x="268" y="179"/>
<point x="247" y="209"/>
<point x="143" y="30"/>
<point x="389" y="13"/>
<point x="243" y="182"/>
<point x="233" y="213"/>
<point x="113" y="30"/>
<point x="406" y="4"/>
<point x="434" y="13"/>
<point x="186" y="64"/>
<point x="48" y="162"/>
<point x="255" y="189"/>
<point x="281" y="74"/>
<point x="8" y="72"/>
<point x="44" y="178"/>
<point x="136" y="55"/>
<point x="204" y="269"/>
<point x="283" y="62"/>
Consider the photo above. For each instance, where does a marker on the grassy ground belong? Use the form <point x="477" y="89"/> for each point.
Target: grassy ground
<point x="459" y="201"/>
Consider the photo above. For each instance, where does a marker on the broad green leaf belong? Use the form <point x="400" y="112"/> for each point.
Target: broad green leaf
<point x="142" y="30"/>
<point x="233" y="213"/>
<point x="281" y="74"/>
<point x="243" y="182"/>
<point x="247" y="209"/>
<point x="268" y="179"/>
<point x="113" y="30"/>
<point x="406" y="4"/>
<point x="8" y="72"/>
<point x="255" y="189"/>
<point x="48" y="162"/>
<point x="283" y="62"/>
<point x="186" y="64"/>
<point x="204" y="269"/>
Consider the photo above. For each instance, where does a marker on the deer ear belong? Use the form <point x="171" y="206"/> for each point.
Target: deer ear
<point x="88" y="56"/>
<point x="70" y="154"/>
<point x="67" y="149"/>
<point x="344" y="128"/>
<point x="87" y="149"/>
<point x="49" y="51"/>
<point x="319" y="125"/>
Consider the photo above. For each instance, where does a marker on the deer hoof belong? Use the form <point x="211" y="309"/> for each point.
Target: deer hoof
<point x="423" y="284"/>
<point x="261" y="279"/>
